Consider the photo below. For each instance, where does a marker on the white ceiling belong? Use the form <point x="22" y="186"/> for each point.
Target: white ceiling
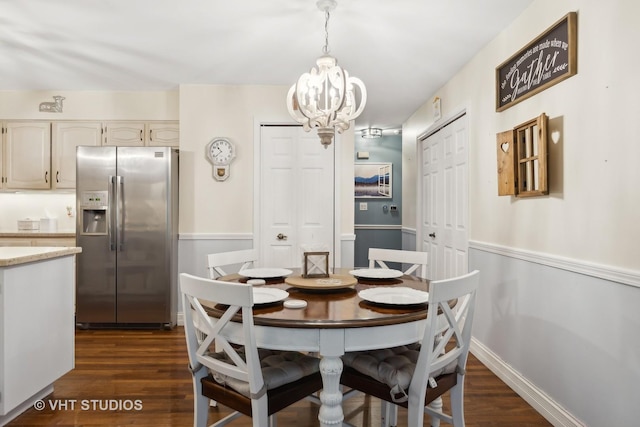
<point x="403" y="50"/>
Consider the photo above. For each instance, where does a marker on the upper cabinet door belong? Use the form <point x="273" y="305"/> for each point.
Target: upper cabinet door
<point x="66" y="137"/>
<point x="129" y="134"/>
<point x="164" y="134"/>
<point x="27" y="160"/>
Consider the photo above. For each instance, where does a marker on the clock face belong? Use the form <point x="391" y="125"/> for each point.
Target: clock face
<point x="220" y="151"/>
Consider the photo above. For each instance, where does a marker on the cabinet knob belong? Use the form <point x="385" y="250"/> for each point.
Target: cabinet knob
<point x="432" y="235"/>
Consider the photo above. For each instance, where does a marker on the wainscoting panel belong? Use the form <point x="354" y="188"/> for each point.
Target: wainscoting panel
<point x="554" y="325"/>
<point x="409" y="239"/>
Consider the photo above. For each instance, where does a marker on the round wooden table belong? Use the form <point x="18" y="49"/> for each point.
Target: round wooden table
<point x="334" y="321"/>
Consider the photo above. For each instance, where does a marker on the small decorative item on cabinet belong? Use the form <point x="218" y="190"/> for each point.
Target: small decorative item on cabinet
<point x="522" y="159"/>
<point x="52" y="107"/>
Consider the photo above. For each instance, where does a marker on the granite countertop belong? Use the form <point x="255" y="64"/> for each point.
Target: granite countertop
<point x="15" y="255"/>
<point x="37" y="233"/>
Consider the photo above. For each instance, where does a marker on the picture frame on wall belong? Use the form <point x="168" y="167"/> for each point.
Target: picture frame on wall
<point x="373" y="180"/>
<point x="547" y="60"/>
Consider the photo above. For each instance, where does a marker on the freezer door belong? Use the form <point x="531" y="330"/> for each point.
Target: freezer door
<point x="144" y="235"/>
<point x="96" y="264"/>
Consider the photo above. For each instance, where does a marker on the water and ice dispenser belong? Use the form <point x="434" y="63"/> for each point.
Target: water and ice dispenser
<point x="94" y="212"/>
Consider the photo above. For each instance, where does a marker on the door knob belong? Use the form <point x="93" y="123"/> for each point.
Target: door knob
<point x="432" y="235"/>
<point x="281" y="236"/>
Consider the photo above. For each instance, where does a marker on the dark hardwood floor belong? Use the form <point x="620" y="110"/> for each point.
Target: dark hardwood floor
<point x="140" y="378"/>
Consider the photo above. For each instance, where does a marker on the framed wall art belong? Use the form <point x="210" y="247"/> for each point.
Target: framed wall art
<point x="373" y="180"/>
<point x="548" y="59"/>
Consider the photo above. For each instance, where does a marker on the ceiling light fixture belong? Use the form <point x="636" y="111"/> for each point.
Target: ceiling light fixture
<point x="326" y="98"/>
<point x="371" y="133"/>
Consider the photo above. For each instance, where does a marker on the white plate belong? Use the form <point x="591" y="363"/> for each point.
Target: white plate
<point x="397" y="295"/>
<point x="268" y="295"/>
<point x="377" y="273"/>
<point x="265" y="273"/>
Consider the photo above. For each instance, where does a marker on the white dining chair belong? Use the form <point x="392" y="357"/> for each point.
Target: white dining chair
<point x="251" y="381"/>
<point x="416" y="260"/>
<point x="415" y="375"/>
<point x="244" y="258"/>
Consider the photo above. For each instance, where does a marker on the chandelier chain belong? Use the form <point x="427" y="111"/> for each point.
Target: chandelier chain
<point x="326" y="49"/>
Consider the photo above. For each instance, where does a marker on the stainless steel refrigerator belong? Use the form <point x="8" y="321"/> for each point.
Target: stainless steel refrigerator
<point x="127" y="224"/>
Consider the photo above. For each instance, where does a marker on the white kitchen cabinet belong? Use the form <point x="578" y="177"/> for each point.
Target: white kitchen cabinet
<point x="1" y="155"/>
<point x="26" y="159"/>
<point x="41" y="155"/>
<point x="14" y="241"/>
<point x="130" y="134"/>
<point x="37" y="324"/>
<point x="139" y="134"/>
<point x="163" y="134"/>
<point x="66" y="136"/>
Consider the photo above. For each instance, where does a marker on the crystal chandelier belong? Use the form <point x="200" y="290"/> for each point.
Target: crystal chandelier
<point x="326" y="98"/>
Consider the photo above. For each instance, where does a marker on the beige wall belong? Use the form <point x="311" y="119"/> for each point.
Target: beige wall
<point x="591" y="213"/>
<point x="91" y="105"/>
<point x="208" y="111"/>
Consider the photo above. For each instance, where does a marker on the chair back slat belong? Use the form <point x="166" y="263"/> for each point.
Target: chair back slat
<point x="244" y="258"/>
<point x="448" y="330"/>
<point x="238" y="297"/>
<point x="416" y="260"/>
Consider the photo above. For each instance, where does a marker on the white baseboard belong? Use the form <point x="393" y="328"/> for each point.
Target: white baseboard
<point x="180" y="319"/>
<point x="534" y="396"/>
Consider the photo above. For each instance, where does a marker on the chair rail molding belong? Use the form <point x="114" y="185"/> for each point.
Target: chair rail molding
<point x="215" y="236"/>
<point x="600" y="271"/>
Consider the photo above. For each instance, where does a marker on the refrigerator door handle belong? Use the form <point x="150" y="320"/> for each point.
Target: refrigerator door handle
<point x="112" y="209"/>
<point x="120" y="211"/>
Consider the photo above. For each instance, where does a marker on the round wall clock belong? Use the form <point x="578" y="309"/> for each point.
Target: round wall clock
<point x="220" y="152"/>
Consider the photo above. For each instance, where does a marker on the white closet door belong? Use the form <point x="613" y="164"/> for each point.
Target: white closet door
<point x="296" y="195"/>
<point x="445" y="208"/>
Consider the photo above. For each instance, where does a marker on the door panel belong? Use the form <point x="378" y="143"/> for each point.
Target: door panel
<point x="296" y="195"/>
<point x="444" y="224"/>
<point x="278" y="198"/>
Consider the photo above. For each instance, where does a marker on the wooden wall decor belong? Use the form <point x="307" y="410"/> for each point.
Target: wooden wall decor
<point x="548" y="59"/>
<point x="506" y="162"/>
<point x="522" y="159"/>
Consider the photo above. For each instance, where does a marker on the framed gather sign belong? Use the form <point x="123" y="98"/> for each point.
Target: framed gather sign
<point x="545" y="61"/>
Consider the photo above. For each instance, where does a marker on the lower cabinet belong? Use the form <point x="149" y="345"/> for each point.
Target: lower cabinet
<point x="36" y="332"/>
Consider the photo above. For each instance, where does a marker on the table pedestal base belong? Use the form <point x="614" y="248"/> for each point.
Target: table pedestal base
<point x="331" y="414"/>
